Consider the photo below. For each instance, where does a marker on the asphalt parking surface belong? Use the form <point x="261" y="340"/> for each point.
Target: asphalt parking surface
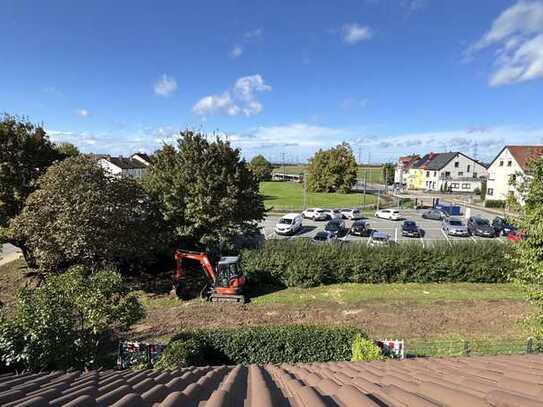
<point x="431" y="229"/>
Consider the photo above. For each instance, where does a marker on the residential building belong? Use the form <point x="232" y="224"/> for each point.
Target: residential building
<point x="142" y="158"/>
<point x="447" y="172"/>
<point x="401" y="171"/>
<point x="509" y="166"/>
<point x="123" y="166"/>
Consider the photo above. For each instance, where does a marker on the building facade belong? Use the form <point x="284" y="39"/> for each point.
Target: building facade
<point x="401" y="172"/>
<point x="123" y="167"/>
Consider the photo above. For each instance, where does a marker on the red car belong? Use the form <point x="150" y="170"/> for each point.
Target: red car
<point x="514" y="236"/>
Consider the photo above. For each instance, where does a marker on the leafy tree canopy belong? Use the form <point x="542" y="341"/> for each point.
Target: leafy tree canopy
<point x="81" y="215"/>
<point x="25" y="153"/>
<point x="332" y="170"/>
<point x="206" y="192"/>
<point x="388" y="173"/>
<point x="261" y="167"/>
<point x="67" y="150"/>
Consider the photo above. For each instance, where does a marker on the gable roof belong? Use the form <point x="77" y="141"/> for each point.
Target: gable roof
<point x="440" y="161"/>
<point x="523" y="154"/>
<point x="126" y="163"/>
<point x="142" y="156"/>
<point x="423" y="162"/>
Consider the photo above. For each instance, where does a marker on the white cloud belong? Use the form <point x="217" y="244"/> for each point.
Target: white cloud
<point x="241" y="99"/>
<point x="350" y="103"/>
<point x="256" y="33"/>
<point x="236" y="51"/>
<point x="165" y="86"/>
<point x="355" y="33"/>
<point x="82" y="112"/>
<point x="518" y="35"/>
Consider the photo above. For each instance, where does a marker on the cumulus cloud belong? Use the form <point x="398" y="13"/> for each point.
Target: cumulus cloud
<point x="82" y="112"/>
<point x="165" y="86"/>
<point x="236" y="52"/>
<point x="517" y="34"/>
<point x="354" y="33"/>
<point x="239" y="100"/>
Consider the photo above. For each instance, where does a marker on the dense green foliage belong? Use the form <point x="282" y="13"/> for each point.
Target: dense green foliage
<point x="80" y="215"/>
<point x="67" y="150"/>
<point x="261" y="168"/>
<point x="364" y="349"/>
<point x="529" y="252"/>
<point x="303" y="264"/>
<point x="67" y="321"/>
<point x="25" y="153"/>
<point x="269" y="344"/>
<point x="494" y="203"/>
<point x="332" y="170"/>
<point x="206" y="193"/>
<point x="185" y="353"/>
<point x="388" y="173"/>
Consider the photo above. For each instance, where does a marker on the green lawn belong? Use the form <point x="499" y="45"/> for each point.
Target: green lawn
<point x="373" y="174"/>
<point x="290" y="195"/>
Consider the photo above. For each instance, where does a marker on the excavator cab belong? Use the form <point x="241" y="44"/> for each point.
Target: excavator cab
<point x="228" y="269"/>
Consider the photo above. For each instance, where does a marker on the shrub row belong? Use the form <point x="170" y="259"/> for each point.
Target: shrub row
<point x="303" y="264"/>
<point x="494" y="203"/>
<point x="260" y="345"/>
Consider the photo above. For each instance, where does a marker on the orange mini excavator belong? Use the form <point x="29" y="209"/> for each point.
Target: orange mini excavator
<point x="226" y="282"/>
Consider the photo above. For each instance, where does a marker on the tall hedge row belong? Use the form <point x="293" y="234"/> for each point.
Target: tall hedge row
<point x="298" y="263"/>
<point x="271" y="344"/>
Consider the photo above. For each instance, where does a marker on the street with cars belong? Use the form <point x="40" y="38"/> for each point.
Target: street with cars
<point x="393" y="226"/>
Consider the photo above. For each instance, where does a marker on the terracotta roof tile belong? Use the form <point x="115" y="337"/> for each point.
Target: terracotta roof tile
<point x="477" y="381"/>
<point x="523" y="154"/>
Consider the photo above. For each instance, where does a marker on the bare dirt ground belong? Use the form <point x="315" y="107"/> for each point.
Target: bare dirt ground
<point x="439" y="319"/>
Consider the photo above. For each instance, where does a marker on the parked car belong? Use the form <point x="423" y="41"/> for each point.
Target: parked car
<point x="410" y="229"/>
<point x="351" y="213"/>
<point x="502" y="226"/>
<point x="309" y="213"/>
<point x="315" y="214"/>
<point x="479" y="226"/>
<point x="336" y="227"/>
<point x="333" y="214"/>
<point x="378" y="238"/>
<point x="360" y="228"/>
<point x="323" y="237"/>
<point x="434" y="214"/>
<point x="390" y="214"/>
<point x="289" y="224"/>
<point x="454" y="226"/>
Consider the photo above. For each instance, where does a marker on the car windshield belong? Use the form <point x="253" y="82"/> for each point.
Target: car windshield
<point x="481" y="222"/>
<point x="320" y="211"/>
<point x="456" y="223"/>
<point x="356" y="211"/>
<point x="359" y="223"/>
<point x="333" y="226"/>
<point x="380" y="239"/>
<point x="321" y="237"/>
<point x="409" y="224"/>
<point x="285" y="221"/>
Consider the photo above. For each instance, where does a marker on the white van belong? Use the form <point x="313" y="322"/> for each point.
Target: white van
<point x="289" y="224"/>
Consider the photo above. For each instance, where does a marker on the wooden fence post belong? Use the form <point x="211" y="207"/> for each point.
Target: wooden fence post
<point x="466" y="348"/>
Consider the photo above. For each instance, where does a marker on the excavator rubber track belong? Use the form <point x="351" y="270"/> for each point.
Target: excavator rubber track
<point x="240" y="299"/>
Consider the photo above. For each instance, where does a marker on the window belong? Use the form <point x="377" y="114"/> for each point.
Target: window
<point x="447" y="173"/>
<point x="466" y="186"/>
<point x="490" y="191"/>
<point x="469" y="168"/>
<point x="427" y="174"/>
<point x="460" y="173"/>
<point x="456" y="164"/>
<point x="435" y="173"/>
<point x="501" y="163"/>
<point x="475" y="175"/>
<point x="509" y="163"/>
<point x="454" y="185"/>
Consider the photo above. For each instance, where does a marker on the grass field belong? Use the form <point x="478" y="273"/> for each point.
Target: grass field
<point x="290" y="195"/>
<point x="373" y="174"/>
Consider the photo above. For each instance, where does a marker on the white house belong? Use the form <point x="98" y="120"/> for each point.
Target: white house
<point x="123" y="166"/>
<point x="403" y="165"/>
<point x="510" y="164"/>
<point x="142" y="158"/>
<point x="452" y="172"/>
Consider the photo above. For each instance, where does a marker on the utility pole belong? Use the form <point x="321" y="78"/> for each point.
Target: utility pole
<point x="283" y="161"/>
<point x="305" y="190"/>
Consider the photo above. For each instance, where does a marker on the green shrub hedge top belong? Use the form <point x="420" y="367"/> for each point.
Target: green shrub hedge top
<point x="272" y="344"/>
<point x="303" y="264"/>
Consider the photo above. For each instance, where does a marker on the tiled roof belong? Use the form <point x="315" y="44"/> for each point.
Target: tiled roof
<point x="461" y="382"/>
<point x="440" y="160"/>
<point x="523" y="154"/>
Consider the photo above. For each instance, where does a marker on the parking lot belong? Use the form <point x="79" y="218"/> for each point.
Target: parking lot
<point x="431" y="229"/>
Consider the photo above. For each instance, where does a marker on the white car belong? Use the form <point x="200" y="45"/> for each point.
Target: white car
<point x="390" y="214"/>
<point x="310" y="212"/>
<point x="289" y="224"/>
<point x="333" y="214"/>
<point x="350" y="213"/>
<point x="315" y="214"/>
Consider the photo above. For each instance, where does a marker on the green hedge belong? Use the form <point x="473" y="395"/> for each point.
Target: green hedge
<point x="494" y="203"/>
<point x="270" y="344"/>
<point x="303" y="264"/>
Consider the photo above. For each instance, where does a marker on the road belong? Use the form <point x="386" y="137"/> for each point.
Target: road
<point x="431" y="229"/>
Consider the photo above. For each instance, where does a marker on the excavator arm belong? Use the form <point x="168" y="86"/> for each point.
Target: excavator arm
<point x="180" y="255"/>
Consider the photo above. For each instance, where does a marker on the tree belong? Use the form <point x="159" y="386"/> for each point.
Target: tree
<point x="206" y="192"/>
<point x="67" y="150"/>
<point x="332" y="170"/>
<point x="81" y="215"/>
<point x="25" y="153"/>
<point x="261" y="168"/>
<point x="528" y="253"/>
<point x="388" y="173"/>
<point x="66" y="322"/>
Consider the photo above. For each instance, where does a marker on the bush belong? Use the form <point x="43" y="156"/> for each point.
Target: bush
<point x="68" y="321"/>
<point x="302" y="264"/>
<point x="364" y="350"/>
<point x="494" y="203"/>
<point x="182" y="354"/>
<point x="272" y="344"/>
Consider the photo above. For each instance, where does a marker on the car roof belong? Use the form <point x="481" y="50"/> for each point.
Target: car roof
<point x="379" y="234"/>
<point x="322" y="233"/>
<point x="229" y="259"/>
<point x="290" y="215"/>
<point x="459" y="218"/>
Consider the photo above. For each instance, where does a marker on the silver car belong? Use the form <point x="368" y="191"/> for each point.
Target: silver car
<point x="454" y="227"/>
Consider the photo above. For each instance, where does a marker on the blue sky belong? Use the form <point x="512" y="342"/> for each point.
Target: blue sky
<point x="389" y="76"/>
